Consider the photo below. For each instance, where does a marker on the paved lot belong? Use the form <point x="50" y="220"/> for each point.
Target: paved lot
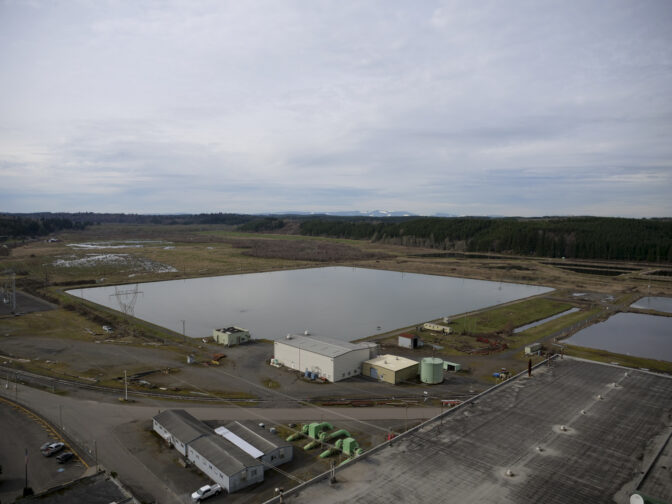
<point x="19" y="432"/>
<point x="615" y="425"/>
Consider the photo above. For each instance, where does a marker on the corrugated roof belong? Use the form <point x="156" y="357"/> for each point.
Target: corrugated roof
<point x="182" y="425"/>
<point x="256" y="436"/>
<point x="392" y="362"/>
<point x="225" y="456"/>
<point x="239" y="442"/>
<point x="328" y="347"/>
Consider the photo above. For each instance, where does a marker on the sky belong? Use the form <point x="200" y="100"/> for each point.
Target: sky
<point x="467" y="107"/>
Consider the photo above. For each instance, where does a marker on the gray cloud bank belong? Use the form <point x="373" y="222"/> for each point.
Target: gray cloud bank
<point x="509" y="108"/>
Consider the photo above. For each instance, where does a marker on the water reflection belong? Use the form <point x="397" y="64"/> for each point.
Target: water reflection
<point x="338" y="302"/>
<point x="635" y="334"/>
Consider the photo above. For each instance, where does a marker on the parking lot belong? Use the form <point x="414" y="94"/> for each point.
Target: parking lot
<point x="21" y="433"/>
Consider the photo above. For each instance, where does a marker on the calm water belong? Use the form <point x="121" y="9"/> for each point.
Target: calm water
<point x="539" y="322"/>
<point x="662" y="304"/>
<point x="338" y="302"/>
<point x="630" y="334"/>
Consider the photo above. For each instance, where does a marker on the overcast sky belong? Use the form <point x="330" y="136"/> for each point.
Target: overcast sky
<point x="463" y="107"/>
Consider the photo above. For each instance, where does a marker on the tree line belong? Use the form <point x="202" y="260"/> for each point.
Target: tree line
<point x="571" y="237"/>
<point x="15" y="227"/>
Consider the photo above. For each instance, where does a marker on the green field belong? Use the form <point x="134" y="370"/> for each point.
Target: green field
<point x="507" y="318"/>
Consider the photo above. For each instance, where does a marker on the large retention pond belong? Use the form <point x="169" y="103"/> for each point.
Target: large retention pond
<point x="338" y="302"/>
<point x="635" y="334"/>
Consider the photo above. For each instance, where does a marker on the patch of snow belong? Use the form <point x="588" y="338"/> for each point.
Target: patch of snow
<point x="136" y="263"/>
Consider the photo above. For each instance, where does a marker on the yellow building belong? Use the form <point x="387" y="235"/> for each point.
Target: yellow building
<point x="390" y="368"/>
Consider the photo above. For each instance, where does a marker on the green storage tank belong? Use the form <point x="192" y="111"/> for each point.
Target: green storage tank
<point x="431" y="370"/>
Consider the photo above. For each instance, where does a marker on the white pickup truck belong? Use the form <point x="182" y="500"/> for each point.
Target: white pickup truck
<point x="205" y="492"/>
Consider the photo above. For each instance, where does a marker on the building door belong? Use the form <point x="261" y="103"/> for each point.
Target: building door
<point x="374" y="373"/>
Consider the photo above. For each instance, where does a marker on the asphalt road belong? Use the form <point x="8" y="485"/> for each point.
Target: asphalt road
<point x="94" y="427"/>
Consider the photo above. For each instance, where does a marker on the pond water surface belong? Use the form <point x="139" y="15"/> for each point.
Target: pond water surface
<point x="635" y="334"/>
<point x="338" y="302"/>
<point x="661" y="304"/>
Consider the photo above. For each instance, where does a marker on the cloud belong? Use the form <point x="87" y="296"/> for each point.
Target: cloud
<point x="452" y="107"/>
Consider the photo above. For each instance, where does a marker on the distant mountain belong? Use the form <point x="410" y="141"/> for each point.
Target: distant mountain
<point x="354" y="213"/>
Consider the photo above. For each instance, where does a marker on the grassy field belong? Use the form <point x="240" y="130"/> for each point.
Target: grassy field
<point x="170" y="252"/>
<point x="507" y="318"/>
<point x="623" y="360"/>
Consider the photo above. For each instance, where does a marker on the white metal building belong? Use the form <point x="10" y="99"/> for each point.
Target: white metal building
<point x="179" y="429"/>
<point x="331" y="359"/>
<point x="225" y="463"/>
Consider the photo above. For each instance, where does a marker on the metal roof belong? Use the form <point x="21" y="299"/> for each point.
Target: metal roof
<point x="328" y="347"/>
<point x="392" y="362"/>
<point x="239" y="442"/>
<point x="256" y="436"/>
<point x="615" y="423"/>
<point x="222" y="454"/>
<point x="182" y="425"/>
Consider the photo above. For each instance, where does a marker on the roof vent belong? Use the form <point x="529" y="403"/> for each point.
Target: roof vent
<point x="509" y="473"/>
<point x="289" y="336"/>
<point x="306" y="332"/>
<point x="563" y="428"/>
<point x="599" y="397"/>
<point x="540" y="449"/>
<point x="583" y="411"/>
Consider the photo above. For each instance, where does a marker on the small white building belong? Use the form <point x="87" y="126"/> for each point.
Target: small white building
<point x="225" y="463"/>
<point x="330" y="359"/>
<point x="532" y="348"/>
<point x="408" y="340"/>
<point x="436" y="327"/>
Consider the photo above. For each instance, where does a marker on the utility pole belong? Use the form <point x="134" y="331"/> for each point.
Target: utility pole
<point x="125" y="387"/>
<point x="95" y="453"/>
<point x="184" y="334"/>
<point x="60" y="416"/>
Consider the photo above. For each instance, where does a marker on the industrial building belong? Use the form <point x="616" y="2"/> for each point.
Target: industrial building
<point x="231" y="336"/>
<point x="390" y="369"/>
<point x="329" y="359"/>
<point x="234" y="456"/>
<point x="572" y="433"/>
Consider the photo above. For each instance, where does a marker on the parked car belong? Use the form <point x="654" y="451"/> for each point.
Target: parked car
<point x="52" y="448"/>
<point x="45" y="446"/>
<point x="205" y="492"/>
<point x="64" y="457"/>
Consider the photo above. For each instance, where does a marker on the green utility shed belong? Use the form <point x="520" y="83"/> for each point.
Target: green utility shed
<point x="231" y="336"/>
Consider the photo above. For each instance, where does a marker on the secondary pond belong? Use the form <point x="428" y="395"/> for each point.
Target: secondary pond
<point x="661" y="304"/>
<point x="338" y="302"/>
<point x="635" y="334"/>
<point x="543" y="321"/>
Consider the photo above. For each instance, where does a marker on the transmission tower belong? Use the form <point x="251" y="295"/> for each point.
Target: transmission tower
<point x="8" y="289"/>
<point x="126" y="299"/>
